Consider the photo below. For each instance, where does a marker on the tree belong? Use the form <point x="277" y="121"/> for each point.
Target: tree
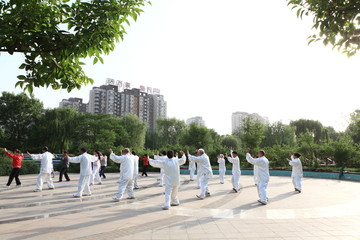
<point x="135" y="132"/>
<point x="230" y="142"/>
<point x="18" y="114"/>
<point x="337" y="22"/>
<point x="354" y="127"/>
<point x="279" y="134"/>
<point x="312" y="126"/>
<point x="55" y="35"/>
<point x="197" y="136"/>
<point x="251" y="133"/>
<point x="169" y="131"/>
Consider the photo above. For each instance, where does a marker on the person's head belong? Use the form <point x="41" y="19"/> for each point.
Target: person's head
<point x="221" y="156"/>
<point x="163" y="153"/>
<point x="297" y="155"/>
<point x="97" y="154"/>
<point x="126" y="151"/>
<point x="201" y="151"/>
<point x="145" y="155"/>
<point x="261" y="153"/>
<point x="170" y="154"/>
<point x="45" y="149"/>
<point x="234" y="154"/>
<point x="83" y="150"/>
<point x="17" y="152"/>
<point x="65" y="154"/>
<point x="133" y="153"/>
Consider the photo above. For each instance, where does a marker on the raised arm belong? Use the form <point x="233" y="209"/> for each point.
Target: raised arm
<point x="75" y="159"/>
<point x="117" y="159"/>
<point x="182" y="160"/>
<point x="195" y="158"/>
<point x="156" y="163"/>
<point x="36" y="156"/>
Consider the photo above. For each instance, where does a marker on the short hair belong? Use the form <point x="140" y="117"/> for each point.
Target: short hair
<point x="201" y="151"/>
<point x="170" y="153"/>
<point x="297" y="154"/>
<point x="83" y="150"/>
<point x="17" y="151"/>
<point x="221" y="155"/>
<point x="133" y="153"/>
<point x="126" y="150"/>
<point x="45" y="148"/>
<point x="234" y="152"/>
<point x="262" y="152"/>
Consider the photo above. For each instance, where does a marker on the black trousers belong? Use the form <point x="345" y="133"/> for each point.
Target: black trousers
<point x="63" y="171"/>
<point x="102" y="171"/>
<point x="144" y="170"/>
<point x="14" y="174"/>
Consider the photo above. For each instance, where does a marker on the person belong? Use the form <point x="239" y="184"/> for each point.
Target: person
<point x="204" y="172"/>
<point x="297" y="171"/>
<point x="161" y="156"/>
<point x="262" y="164"/>
<point x="126" y="174"/>
<point x="103" y="163"/>
<point x="192" y="169"/>
<point x="64" y="167"/>
<point x="95" y="171"/>
<point x="236" y="172"/>
<point x="45" y="169"/>
<point x="136" y="169"/>
<point x="171" y="166"/>
<point x="222" y="168"/>
<point x="85" y="161"/>
<point x="17" y="158"/>
<point x="145" y="160"/>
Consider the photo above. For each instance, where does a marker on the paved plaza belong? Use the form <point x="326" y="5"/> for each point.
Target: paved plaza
<point x="326" y="209"/>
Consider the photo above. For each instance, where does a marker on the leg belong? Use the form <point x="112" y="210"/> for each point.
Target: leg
<point x="136" y="186"/>
<point x="192" y="174"/>
<point x="121" y="189"/>
<point x="49" y="181"/>
<point x="263" y="194"/>
<point x="11" y="177"/>
<point x="81" y="185"/>
<point x="87" y="190"/>
<point x="39" y="181"/>
<point x="66" y="175"/>
<point x="18" y="183"/>
<point x="236" y="182"/>
<point x="92" y="177"/>
<point x="293" y="181"/>
<point x="61" y="174"/>
<point x="203" y="186"/>
<point x="174" y="198"/>
<point x="130" y="189"/>
<point x="97" y="175"/>
<point x="198" y="181"/>
<point x="161" y="177"/>
<point x="298" y="183"/>
<point x="167" y="195"/>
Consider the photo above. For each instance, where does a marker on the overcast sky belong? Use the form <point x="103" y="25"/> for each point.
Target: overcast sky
<point x="211" y="58"/>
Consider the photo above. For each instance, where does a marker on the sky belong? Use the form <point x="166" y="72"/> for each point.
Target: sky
<point x="211" y="58"/>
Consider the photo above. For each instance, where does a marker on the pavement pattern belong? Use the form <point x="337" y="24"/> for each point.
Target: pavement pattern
<point x="326" y="209"/>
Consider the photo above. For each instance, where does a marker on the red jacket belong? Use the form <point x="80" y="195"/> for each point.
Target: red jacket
<point x="145" y="161"/>
<point x="17" y="159"/>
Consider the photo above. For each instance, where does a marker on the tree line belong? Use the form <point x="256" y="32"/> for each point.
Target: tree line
<point x="26" y="125"/>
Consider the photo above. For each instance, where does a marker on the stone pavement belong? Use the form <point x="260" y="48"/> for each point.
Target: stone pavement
<point x="326" y="209"/>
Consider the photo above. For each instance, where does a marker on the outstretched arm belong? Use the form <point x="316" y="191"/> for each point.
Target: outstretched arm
<point x="156" y="163"/>
<point x="75" y="159"/>
<point x="117" y="159"/>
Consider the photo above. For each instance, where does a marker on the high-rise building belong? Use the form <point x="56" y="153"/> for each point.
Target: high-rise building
<point x="237" y="119"/>
<point x="158" y="109"/>
<point x="105" y="99"/>
<point x="76" y="103"/>
<point x="198" y="120"/>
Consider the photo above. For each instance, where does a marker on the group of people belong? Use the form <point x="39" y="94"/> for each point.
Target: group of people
<point x="92" y="168"/>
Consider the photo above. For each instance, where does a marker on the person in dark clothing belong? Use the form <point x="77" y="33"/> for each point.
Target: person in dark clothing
<point x="17" y="158"/>
<point x="103" y="163"/>
<point x="64" y="167"/>
<point x="145" y="160"/>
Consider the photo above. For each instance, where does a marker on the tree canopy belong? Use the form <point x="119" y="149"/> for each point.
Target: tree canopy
<point x="56" y="35"/>
<point x="337" y="22"/>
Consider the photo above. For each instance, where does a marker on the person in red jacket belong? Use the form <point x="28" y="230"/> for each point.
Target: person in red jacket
<point x="145" y="160"/>
<point x="17" y="158"/>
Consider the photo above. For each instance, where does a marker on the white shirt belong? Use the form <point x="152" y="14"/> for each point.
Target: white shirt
<point x="192" y="165"/>
<point x="136" y="165"/>
<point x="235" y="165"/>
<point x="297" y="169"/>
<point x="204" y="166"/>
<point x="221" y="162"/>
<point x="126" y="165"/>
<point x="46" y="161"/>
<point x="262" y="164"/>
<point x="171" y="168"/>
<point x="85" y="161"/>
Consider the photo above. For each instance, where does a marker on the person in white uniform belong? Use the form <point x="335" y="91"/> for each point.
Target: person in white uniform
<point x="297" y="171"/>
<point x="236" y="172"/>
<point x="85" y="161"/>
<point x="45" y="169"/>
<point x="222" y="168"/>
<point x="192" y="169"/>
<point x="126" y="174"/>
<point x="262" y="174"/>
<point x="171" y="166"/>
<point x="96" y="169"/>
<point x="136" y="169"/>
<point x="161" y="156"/>
<point x="256" y="180"/>
<point x="204" y="172"/>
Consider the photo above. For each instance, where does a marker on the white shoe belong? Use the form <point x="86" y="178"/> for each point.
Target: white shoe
<point x="51" y="188"/>
<point x="86" y="194"/>
<point x="165" y="208"/>
<point x="116" y="199"/>
<point x="174" y="204"/>
<point x="99" y="183"/>
<point x="201" y="198"/>
<point x="76" y="196"/>
<point x="37" y="190"/>
<point x="263" y="203"/>
<point x="6" y="186"/>
<point x="130" y="198"/>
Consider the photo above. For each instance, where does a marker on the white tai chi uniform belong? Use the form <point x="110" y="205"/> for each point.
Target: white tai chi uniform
<point x="136" y="170"/>
<point x="222" y="169"/>
<point x="204" y="172"/>
<point x="172" y="177"/>
<point x="95" y="172"/>
<point x="256" y="180"/>
<point x="45" y="170"/>
<point x="297" y="172"/>
<point x="262" y="174"/>
<point x="236" y="172"/>
<point x="162" y="173"/>
<point x="85" y="161"/>
<point x="192" y="169"/>
<point x="126" y="175"/>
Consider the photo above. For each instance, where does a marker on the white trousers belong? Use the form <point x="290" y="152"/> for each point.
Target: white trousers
<point x="171" y="195"/>
<point x="192" y="173"/>
<point x="95" y="175"/>
<point x="261" y="187"/>
<point x="256" y="179"/>
<point x="125" y="184"/>
<point x="203" y="185"/>
<point x="44" y="177"/>
<point x="83" y="186"/>
<point x="297" y="182"/>
<point x="222" y="175"/>
<point x="162" y="174"/>
<point x="236" y="181"/>
<point x="135" y="180"/>
<point x="198" y="181"/>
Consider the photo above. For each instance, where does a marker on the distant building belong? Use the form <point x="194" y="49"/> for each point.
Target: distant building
<point x="198" y="120"/>
<point x="76" y="103"/>
<point x="237" y="119"/>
